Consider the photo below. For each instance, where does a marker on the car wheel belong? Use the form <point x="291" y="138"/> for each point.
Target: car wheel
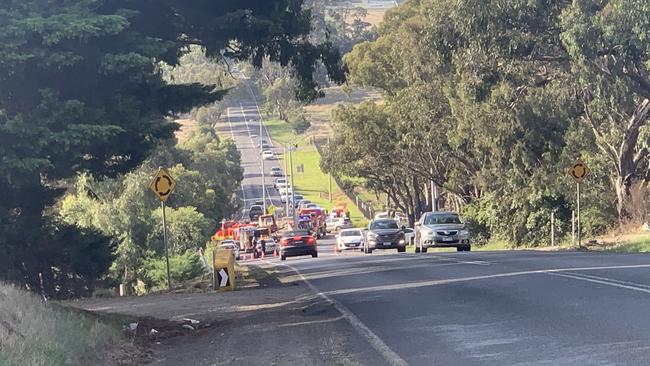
<point x="423" y="250"/>
<point x="314" y="254"/>
<point x="283" y="257"/>
<point x="401" y="250"/>
<point x="338" y="229"/>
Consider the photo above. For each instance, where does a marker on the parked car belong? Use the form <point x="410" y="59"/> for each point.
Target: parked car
<point x="381" y="215"/>
<point x="268" y="155"/>
<point x="255" y="212"/>
<point x="232" y="245"/>
<point x="384" y="234"/>
<point x="441" y="230"/>
<point x="310" y="205"/>
<point x="276" y="172"/>
<point x="265" y="146"/>
<point x="337" y="224"/>
<point x="297" y="242"/>
<point x="349" y="239"/>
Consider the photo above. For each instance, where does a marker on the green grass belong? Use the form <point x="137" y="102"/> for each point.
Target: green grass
<point x="313" y="184"/>
<point x="35" y="333"/>
<point x="638" y="245"/>
<point x="282" y="132"/>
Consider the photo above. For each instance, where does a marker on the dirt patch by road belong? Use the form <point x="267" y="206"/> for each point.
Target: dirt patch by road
<point x="281" y="322"/>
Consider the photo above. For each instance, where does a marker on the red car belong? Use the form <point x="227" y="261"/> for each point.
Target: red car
<point x="297" y="242"/>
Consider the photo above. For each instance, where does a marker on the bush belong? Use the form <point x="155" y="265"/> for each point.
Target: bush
<point x="182" y="268"/>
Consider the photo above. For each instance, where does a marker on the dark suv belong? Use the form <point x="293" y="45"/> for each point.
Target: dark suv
<point x="384" y="234"/>
<point x="255" y="212"/>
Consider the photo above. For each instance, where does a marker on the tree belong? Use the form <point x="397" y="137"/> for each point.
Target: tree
<point x="81" y="90"/>
<point x="476" y="100"/>
<point x="610" y="58"/>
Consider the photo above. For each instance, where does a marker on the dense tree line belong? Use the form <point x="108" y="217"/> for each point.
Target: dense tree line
<point x="493" y="101"/>
<point x="208" y="173"/>
<point x="81" y="90"/>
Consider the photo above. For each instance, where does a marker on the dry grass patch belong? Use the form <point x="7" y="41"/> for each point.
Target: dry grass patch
<point x="35" y="333"/>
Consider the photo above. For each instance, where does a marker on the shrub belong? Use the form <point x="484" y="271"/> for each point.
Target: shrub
<point x="182" y="268"/>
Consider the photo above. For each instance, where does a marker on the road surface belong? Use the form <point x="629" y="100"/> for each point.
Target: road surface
<point x="493" y="308"/>
<point x="477" y="308"/>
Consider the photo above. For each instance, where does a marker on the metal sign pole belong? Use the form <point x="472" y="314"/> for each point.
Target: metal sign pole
<point x="578" y="215"/>
<point x="164" y="220"/>
<point x="286" y="180"/>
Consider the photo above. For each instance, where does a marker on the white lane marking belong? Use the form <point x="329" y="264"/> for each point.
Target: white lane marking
<point x="269" y="198"/>
<point x="416" y="284"/>
<point x="243" y="190"/>
<point x="606" y="281"/>
<point x="391" y="357"/>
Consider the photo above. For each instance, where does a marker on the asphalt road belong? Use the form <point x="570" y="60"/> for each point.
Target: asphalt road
<point x="245" y="129"/>
<point x="493" y="308"/>
<point x="476" y="308"/>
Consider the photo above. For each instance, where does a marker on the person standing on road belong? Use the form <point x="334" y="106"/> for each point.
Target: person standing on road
<point x="263" y="243"/>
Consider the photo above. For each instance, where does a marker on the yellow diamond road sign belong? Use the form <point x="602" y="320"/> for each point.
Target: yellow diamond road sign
<point x="162" y="184"/>
<point x="579" y="171"/>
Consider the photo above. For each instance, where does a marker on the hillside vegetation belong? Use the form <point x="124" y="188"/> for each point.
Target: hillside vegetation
<point x="33" y="333"/>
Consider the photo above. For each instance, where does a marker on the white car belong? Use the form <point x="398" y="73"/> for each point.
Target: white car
<point x="349" y="239"/>
<point x="232" y="245"/>
<point x="381" y="215"/>
<point x="268" y="155"/>
<point x="283" y="190"/>
<point x="338" y="223"/>
<point x="286" y="196"/>
<point x="409" y="236"/>
<point x="270" y="246"/>
<point x="279" y="182"/>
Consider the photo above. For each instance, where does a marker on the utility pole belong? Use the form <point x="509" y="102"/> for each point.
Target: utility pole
<point x="263" y="174"/>
<point x="329" y="174"/>
<point x="286" y="180"/>
<point x="293" y="206"/>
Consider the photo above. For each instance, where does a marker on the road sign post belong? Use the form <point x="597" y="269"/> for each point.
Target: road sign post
<point x="162" y="185"/>
<point x="578" y="171"/>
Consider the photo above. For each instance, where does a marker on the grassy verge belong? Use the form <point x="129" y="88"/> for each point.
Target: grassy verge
<point x="35" y="333"/>
<point x="635" y="245"/>
<point x="313" y="184"/>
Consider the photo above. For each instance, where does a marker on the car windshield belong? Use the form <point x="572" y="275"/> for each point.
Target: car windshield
<point x="446" y="218"/>
<point x="351" y="233"/>
<point x="383" y="224"/>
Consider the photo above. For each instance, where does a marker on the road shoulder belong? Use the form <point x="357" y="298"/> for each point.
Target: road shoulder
<point x="279" y="323"/>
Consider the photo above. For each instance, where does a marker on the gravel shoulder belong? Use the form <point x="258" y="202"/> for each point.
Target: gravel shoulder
<point x="280" y="322"/>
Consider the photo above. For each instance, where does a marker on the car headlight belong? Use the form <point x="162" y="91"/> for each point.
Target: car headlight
<point x="372" y="236"/>
<point x="463" y="232"/>
<point x="426" y="231"/>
